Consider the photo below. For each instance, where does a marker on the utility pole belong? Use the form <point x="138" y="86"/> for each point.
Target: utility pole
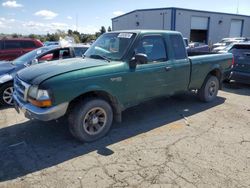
<point x="238" y="2"/>
<point x="76" y="22"/>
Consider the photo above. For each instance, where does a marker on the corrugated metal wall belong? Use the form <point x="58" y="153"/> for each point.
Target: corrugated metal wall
<point x="219" y="25"/>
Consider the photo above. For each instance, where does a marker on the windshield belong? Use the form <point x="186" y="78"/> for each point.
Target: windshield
<point x="229" y="47"/>
<point x="110" y="46"/>
<point x="28" y="57"/>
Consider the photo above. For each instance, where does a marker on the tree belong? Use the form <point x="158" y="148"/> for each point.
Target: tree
<point x="14" y="35"/>
<point x="33" y="36"/>
<point x="102" y="30"/>
<point x="109" y="29"/>
<point x="70" y="32"/>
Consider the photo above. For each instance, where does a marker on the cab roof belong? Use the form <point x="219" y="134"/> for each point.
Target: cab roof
<point x="147" y="31"/>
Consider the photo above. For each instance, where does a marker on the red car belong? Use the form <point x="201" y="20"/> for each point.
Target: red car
<point x="10" y="49"/>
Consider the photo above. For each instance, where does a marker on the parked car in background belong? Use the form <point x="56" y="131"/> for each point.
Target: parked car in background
<point x="13" y="48"/>
<point x="8" y="70"/>
<point x="198" y="47"/>
<point x="226" y="42"/>
<point x="241" y="67"/>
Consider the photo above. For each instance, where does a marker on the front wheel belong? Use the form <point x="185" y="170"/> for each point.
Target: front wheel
<point x="6" y="94"/>
<point x="90" y="120"/>
<point x="209" y="89"/>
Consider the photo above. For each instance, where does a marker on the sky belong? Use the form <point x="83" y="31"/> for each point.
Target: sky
<point x="46" y="16"/>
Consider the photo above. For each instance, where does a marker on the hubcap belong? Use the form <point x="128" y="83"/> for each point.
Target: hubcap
<point x="8" y="95"/>
<point x="95" y="121"/>
<point x="212" y="89"/>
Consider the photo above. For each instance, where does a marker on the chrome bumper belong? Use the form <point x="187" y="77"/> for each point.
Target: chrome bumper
<point x="43" y="114"/>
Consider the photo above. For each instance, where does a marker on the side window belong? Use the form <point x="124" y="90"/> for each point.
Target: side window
<point x="79" y="51"/>
<point x="153" y="47"/>
<point x="64" y="53"/>
<point x="9" y="45"/>
<point x="178" y="47"/>
<point x="1" y="45"/>
<point x="46" y="57"/>
<point x="28" y="44"/>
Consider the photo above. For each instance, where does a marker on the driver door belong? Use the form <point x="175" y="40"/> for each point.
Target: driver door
<point x="151" y="79"/>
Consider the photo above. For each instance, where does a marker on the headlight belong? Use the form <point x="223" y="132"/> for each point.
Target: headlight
<point x="5" y="78"/>
<point x="39" y="97"/>
<point x="33" y="90"/>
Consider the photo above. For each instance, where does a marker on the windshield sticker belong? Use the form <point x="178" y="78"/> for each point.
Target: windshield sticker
<point x="125" y="35"/>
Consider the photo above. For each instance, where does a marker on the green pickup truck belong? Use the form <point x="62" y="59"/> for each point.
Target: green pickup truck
<point x="120" y="70"/>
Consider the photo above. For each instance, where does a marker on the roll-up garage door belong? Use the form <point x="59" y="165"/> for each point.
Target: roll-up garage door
<point x="199" y="29"/>
<point x="199" y="23"/>
<point x="235" y="29"/>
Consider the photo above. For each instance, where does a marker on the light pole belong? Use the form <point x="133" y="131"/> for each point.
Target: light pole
<point x="238" y="2"/>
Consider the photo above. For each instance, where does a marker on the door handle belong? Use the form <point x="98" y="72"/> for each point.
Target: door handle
<point x="168" y="68"/>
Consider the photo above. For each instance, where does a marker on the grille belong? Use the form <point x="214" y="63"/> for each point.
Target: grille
<point x="21" y="89"/>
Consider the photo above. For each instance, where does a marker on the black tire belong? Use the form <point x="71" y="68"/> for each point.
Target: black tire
<point x="5" y="89"/>
<point x="209" y="89"/>
<point x="90" y="119"/>
<point x="227" y="81"/>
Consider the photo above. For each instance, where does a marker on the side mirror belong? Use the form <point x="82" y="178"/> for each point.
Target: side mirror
<point x="34" y="61"/>
<point x="138" y="59"/>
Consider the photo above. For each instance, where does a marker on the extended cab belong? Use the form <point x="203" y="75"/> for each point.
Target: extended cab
<point x="120" y="70"/>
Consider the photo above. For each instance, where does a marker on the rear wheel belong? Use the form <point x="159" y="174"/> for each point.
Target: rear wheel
<point x="209" y="89"/>
<point x="90" y="120"/>
<point x="6" y="94"/>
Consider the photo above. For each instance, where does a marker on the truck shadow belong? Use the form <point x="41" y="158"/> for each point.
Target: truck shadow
<point x="33" y="146"/>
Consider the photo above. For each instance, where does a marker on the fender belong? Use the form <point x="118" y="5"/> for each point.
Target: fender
<point x="5" y="78"/>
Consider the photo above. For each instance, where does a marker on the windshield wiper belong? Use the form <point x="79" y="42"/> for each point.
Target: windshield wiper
<point x="96" y="56"/>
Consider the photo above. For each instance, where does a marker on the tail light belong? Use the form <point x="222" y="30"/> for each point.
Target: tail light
<point x="233" y="62"/>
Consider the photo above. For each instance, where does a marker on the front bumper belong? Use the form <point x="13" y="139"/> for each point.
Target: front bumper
<point x="240" y="77"/>
<point x="43" y="114"/>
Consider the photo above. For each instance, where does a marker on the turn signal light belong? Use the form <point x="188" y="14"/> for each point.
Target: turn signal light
<point x="42" y="104"/>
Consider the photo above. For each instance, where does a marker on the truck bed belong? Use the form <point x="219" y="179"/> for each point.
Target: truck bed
<point x="201" y="65"/>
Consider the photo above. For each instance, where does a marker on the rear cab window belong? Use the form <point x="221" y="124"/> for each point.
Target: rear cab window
<point x="154" y="47"/>
<point x="179" y="51"/>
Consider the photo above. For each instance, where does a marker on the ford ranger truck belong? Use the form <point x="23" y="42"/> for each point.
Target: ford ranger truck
<point x="120" y="70"/>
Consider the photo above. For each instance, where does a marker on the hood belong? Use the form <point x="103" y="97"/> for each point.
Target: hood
<point x="41" y="72"/>
<point x="6" y="67"/>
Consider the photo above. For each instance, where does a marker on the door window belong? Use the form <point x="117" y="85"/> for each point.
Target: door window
<point x="153" y="47"/>
<point x="9" y="45"/>
<point x="28" y="44"/>
<point x="64" y="53"/>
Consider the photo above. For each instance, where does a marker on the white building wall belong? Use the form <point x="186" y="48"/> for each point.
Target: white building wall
<point x="155" y="19"/>
<point x="219" y="24"/>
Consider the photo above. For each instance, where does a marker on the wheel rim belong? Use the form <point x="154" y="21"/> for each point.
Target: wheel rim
<point x="212" y="89"/>
<point x="95" y="121"/>
<point x="8" y="96"/>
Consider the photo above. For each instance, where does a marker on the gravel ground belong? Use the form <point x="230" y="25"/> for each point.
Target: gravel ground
<point x="168" y="142"/>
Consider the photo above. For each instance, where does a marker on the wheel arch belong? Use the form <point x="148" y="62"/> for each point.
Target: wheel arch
<point x="116" y="106"/>
<point x="216" y="72"/>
